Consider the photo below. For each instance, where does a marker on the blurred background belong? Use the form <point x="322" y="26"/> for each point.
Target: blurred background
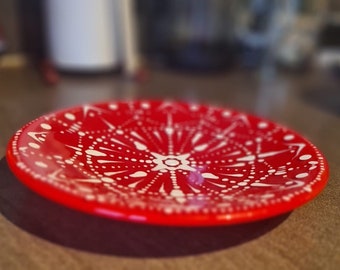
<point x="191" y="35"/>
<point x="90" y="50"/>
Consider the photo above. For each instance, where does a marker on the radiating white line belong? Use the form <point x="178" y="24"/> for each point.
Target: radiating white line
<point x="102" y="161"/>
<point x="113" y="173"/>
<point x="247" y="158"/>
<point x="135" y="134"/>
<point x="110" y="125"/>
<point x="234" y="174"/>
<point x="196" y="137"/>
<point x="220" y="145"/>
<point x="240" y="164"/>
<point x="262" y="185"/>
<point x="117" y="141"/>
<point x="234" y="153"/>
<point x="270" y="154"/>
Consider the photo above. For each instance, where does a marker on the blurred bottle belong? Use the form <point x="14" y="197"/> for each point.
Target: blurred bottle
<point x="81" y="34"/>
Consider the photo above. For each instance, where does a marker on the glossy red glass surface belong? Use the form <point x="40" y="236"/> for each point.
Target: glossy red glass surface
<point x="168" y="163"/>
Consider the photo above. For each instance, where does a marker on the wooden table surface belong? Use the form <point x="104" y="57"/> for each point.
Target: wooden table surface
<point x="38" y="234"/>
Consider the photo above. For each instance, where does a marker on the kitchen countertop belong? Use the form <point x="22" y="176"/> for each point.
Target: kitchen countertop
<point x="39" y="234"/>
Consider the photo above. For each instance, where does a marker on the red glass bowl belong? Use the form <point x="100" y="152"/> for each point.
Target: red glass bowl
<point x="167" y="163"/>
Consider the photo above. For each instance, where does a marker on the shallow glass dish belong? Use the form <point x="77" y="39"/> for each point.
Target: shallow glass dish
<point x="167" y="163"/>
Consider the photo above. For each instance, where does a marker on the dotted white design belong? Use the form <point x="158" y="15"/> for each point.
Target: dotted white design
<point x="168" y="157"/>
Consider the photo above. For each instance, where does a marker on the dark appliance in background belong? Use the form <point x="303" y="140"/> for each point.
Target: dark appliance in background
<point x="254" y="24"/>
<point x="206" y="35"/>
<point x="33" y="38"/>
<point x="188" y="34"/>
<point x="32" y="32"/>
<point x="2" y="42"/>
<point x="329" y="39"/>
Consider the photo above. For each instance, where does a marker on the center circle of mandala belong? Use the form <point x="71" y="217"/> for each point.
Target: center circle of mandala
<point x="172" y="162"/>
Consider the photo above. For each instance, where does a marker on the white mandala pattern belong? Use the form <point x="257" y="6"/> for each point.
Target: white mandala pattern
<point x="168" y="157"/>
